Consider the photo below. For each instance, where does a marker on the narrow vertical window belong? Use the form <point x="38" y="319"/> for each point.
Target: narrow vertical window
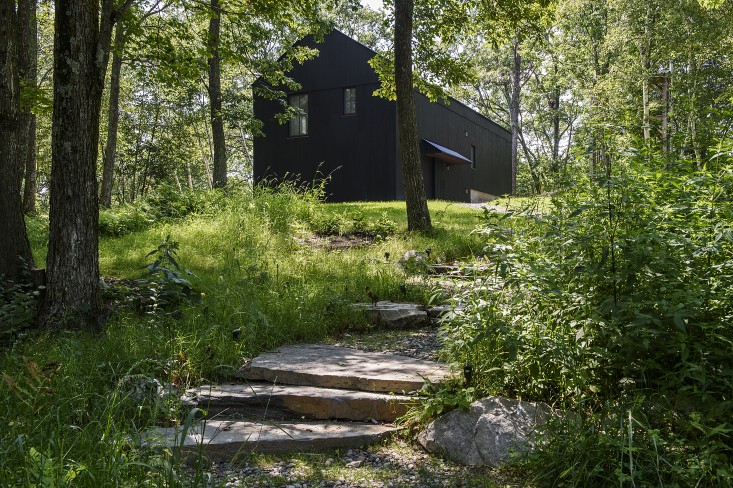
<point x="299" y="122"/>
<point x="349" y="101"/>
<point x="473" y="157"/>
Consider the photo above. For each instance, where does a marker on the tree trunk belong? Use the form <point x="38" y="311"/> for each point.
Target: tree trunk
<point x="178" y="181"/>
<point x="418" y="217"/>
<point x="189" y="179"/>
<point x="148" y="160"/>
<point x="217" y="123"/>
<point x="645" y="102"/>
<point x="556" y="134"/>
<point x="644" y="53"/>
<point x="514" y="108"/>
<point x="207" y="169"/>
<point x="14" y="244"/>
<point x="81" y="52"/>
<point x="533" y="166"/>
<point x="666" y="107"/>
<point x="28" y="69"/>
<point x="244" y="146"/>
<point x="113" y="116"/>
<point x="556" y="126"/>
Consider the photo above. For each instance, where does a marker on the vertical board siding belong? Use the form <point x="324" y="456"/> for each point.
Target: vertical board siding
<point x="359" y="152"/>
<point x="447" y="125"/>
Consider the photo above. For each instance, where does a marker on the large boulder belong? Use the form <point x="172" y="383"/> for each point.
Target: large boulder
<point x="487" y="432"/>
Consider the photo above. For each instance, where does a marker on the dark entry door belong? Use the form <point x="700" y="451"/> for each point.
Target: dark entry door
<point x="439" y="172"/>
<point x="428" y="174"/>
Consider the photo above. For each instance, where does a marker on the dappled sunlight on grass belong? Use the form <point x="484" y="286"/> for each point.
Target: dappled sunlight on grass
<point x="257" y="272"/>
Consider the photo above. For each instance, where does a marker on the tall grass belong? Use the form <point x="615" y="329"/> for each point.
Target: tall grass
<point x="67" y="418"/>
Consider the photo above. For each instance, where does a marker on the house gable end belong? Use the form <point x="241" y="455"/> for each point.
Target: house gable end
<point x="341" y="62"/>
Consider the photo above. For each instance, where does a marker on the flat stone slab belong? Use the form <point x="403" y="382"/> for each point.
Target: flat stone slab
<point x="342" y="367"/>
<point x="456" y="271"/>
<point x="223" y="440"/>
<point x="268" y="401"/>
<point x="395" y="315"/>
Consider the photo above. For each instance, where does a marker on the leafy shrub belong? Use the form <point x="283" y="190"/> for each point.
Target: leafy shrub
<point x="167" y="285"/>
<point x="18" y="307"/>
<point x="437" y="399"/>
<point x="166" y="203"/>
<point x="18" y="304"/>
<point x="352" y="222"/>
<point x="123" y="220"/>
<point x="617" y="303"/>
<point x="329" y="224"/>
<point x="287" y="204"/>
<point x="383" y="227"/>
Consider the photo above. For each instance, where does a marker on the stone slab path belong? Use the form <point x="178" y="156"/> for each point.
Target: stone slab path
<point x="281" y="401"/>
<point x="393" y="315"/>
<point x="355" y="394"/>
<point x="226" y="440"/>
<point x="342" y="367"/>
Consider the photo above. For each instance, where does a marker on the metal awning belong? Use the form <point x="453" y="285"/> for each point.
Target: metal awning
<point x="443" y="153"/>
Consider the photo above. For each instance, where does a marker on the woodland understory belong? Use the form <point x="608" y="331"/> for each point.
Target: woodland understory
<point x="126" y="168"/>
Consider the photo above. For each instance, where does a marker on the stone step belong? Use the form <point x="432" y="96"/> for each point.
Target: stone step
<point x="268" y="401"/>
<point x="456" y="271"/>
<point x="394" y="315"/>
<point x="223" y="440"/>
<point x="340" y="367"/>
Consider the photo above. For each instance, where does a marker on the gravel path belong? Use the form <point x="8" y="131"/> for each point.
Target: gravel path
<point x="397" y="464"/>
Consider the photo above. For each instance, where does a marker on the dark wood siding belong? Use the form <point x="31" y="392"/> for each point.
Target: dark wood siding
<point x="457" y="127"/>
<point x="360" y="152"/>
<point x="356" y="151"/>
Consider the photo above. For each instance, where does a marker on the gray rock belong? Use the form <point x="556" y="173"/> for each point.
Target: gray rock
<point x="276" y="401"/>
<point x="393" y="315"/>
<point x="443" y="311"/>
<point x="341" y="367"/>
<point x="139" y="389"/>
<point x="487" y="432"/>
<point x="415" y="262"/>
<point x="223" y="440"/>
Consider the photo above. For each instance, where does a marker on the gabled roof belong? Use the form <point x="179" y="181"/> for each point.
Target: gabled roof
<point x="460" y="107"/>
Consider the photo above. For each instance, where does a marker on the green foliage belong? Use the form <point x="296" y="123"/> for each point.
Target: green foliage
<point x="354" y="222"/>
<point x="123" y="220"/>
<point x="166" y="282"/>
<point x="69" y="407"/>
<point x="18" y="307"/>
<point x="617" y="300"/>
<point x="165" y="204"/>
<point x="287" y="205"/>
<point x="67" y="418"/>
<point x="436" y="400"/>
<point x="383" y="227"/>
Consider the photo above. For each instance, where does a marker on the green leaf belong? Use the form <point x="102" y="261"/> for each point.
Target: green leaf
<point x="679" y="322"/>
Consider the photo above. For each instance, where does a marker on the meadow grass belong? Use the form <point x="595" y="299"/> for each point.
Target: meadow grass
<point x="66" y="419"/>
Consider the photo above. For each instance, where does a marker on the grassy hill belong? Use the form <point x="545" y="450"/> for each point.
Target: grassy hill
<point x="239" y="273"/>
<point x="610" y="300"/>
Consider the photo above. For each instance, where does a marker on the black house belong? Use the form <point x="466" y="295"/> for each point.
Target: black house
<point x="346" y="132"/>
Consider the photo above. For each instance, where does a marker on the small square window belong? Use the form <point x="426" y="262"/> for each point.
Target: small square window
<point x="349" y="101"/>
<point x="299" y="122"/>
